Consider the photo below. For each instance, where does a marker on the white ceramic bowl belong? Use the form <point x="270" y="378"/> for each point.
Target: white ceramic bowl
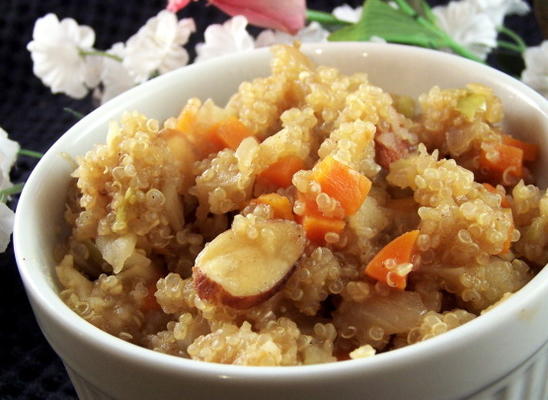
<point x="503" y="352"/>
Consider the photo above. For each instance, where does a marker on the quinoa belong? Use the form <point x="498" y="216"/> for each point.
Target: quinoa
<point x="215" y="236"/>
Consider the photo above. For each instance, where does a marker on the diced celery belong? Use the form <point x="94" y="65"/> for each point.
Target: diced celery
<point x="471" y="104"/>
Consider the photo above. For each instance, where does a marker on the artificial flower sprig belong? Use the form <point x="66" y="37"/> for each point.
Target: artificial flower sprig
<point x="66" y="61"/>
<point x="8" y="155"/>
<point x="9" y="152"/>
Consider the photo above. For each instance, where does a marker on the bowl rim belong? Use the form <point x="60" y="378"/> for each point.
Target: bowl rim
<point x="51" y="303"/>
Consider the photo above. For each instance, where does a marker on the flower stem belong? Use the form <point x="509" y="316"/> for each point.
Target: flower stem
<point x="324" y="18"/>
<point x="15" y="189"/>
<point x="428" y="24"/>
<point x="100" y="53"/>
<point x="406" y="8"/>
<point x="428" y="12"/>
<point x="74" y="113"/>
<point x="462" y="51"/>
<point x="521" y="46"/>
<point x="509" y="46"/>
<point x="30" y="153"/>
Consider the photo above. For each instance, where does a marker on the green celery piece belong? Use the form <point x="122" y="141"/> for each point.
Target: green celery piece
<point x="470" y="104"/>
<point x="393" y="25"/>
<point x="404" y="105"/>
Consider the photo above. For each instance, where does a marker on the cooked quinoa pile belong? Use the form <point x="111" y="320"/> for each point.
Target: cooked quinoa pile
<point x="314" y="218"/>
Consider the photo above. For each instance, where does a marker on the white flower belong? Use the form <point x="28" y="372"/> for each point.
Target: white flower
<point x="473" y="23"/>
<point x="312" y="33"/>
<point x="94" y="65"/>
<point x="230" y="37"/>
<point x="55" y="51"/>
<point x="536" y="68"/>
<point x="465" y="25"/>
<point x="6" y="226"/>
<point x="496" y="10"/>
<point x="8" y="155"/>
<point x="157" y="46"/>
<point x="347" y="13"/>
<point x="114" y="75"/>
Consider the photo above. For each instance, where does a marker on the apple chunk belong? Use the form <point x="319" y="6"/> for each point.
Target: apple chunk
<point x="247" y="264"/>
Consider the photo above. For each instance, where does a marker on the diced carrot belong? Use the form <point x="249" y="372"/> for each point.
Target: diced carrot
<point x="504" y="157"/>
<point x="310" y="205"/>
<point x="342" y="183"/>
<point x="504" y="202"/>
<point x="399" y="251"/>
<point x="316" y="227"/>
<point x="228" y="133"/>
<point x="211" y="143"/>
<point x="281" y="205"/>
<point x="507" y="243"/>
<point x="530" y="150"/>
<point x="186" y="120"/>
<point x="506" y="246"/>
<point x="149" y="302"/>
<point x="314" y="223"/>
<point x="281" y="172"/>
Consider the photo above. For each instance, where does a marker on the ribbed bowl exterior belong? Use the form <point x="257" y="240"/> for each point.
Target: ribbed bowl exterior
<point x="529" y="381"/>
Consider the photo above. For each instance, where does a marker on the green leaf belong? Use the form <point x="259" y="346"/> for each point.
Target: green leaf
<point x="15" y="189"/>
<point x="393" y="25"/>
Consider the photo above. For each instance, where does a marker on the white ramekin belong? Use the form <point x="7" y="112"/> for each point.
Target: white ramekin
<point x="503" y="353"/>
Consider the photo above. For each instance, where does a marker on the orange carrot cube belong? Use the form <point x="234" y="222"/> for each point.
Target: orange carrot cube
<point x="342" y="183"/>
<point x="383" y="267"/>
<point x="530" y="150"/>
<point x="281" y="206"/>
<point x="281" y="172"/>
<point x="496" y="159"/>
<point x="316" y="227"/>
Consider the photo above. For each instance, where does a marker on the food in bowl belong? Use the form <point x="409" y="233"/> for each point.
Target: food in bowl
<point x="314" y="218"/>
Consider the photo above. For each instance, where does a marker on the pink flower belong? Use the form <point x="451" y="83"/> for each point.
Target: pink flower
<point x="176" y="5"/>
<point x="283" y="15"/>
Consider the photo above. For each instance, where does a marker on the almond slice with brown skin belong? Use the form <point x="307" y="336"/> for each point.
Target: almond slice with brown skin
<point x="249" y="263"/>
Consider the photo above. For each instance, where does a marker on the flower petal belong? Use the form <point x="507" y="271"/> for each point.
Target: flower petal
<point x="8" y="155"/>
<point x="55" y="52"/>
<point x="468" y="27"/>
<point x="284" y="15"/>
<point x="312" y="33"/>
<point x="7" y="218"/>
<point x="115" y="77"/>
<point x="156" y="47"/>
<point x="230" y="37"/>
<point x="535" y="73"/>
<point x="176" y="5"/>
<point x="347" y="13"/>
<point x="497" y="10"/>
